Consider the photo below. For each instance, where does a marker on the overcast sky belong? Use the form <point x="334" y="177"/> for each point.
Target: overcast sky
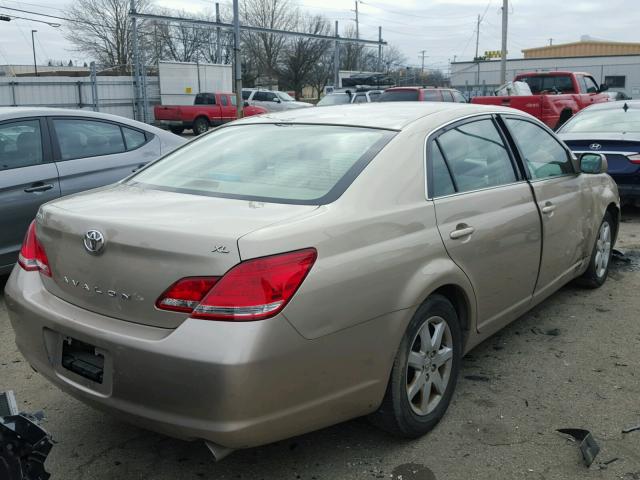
<point x="444" y="28"/>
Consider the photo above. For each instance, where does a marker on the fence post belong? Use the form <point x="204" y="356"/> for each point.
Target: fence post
<point x="94" y="87"/>
<point x="13" y="94"/>
<point x="79" y="84"/>
<point x="145" y="96"/>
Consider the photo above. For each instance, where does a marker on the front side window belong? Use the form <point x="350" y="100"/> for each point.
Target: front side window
<point x="304" y="164"/>
<point x="79" y="138"/>
<point x="543" y="155"/>
<point x="592" y="87"/>
<point x="447" y="96"/>
<point x="223" y="100"/>
<point x="476" y="156"/>
<point x="335" y="99"/>
<point x="458" y="97"/>
<point x="285" y="97"/>
<point x="20" y="144"/>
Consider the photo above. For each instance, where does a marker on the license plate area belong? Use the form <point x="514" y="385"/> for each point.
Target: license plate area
<point x="83" y="359"/>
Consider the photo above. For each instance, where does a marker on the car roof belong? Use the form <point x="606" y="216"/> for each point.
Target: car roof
<point x="392" y="115"/>
<point x="633" y="104"/>
<point x="394" y="89"/>
<point x="9" y="113"/>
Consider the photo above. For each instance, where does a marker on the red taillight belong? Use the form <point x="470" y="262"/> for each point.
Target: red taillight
<point x="252" y="290"/>
<point x="32" y="255"/>
<point x="186" y="294"/>
<point x="634" y="158"/>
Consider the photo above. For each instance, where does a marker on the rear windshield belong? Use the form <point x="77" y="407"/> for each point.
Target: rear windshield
<point x="551" y="84"/>
<point x="335" y="99"/>
<point x="604" y="121"/>
<point x="293" y="163"/>
<point x="399" y="96"/>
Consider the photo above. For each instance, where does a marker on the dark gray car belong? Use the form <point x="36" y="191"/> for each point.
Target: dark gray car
<point x="46" y="153"/>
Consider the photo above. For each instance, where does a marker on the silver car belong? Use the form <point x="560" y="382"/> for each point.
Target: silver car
<point x="272" y="100"/>
<point x="47" y="153"/>
<point x="241" y="294"/>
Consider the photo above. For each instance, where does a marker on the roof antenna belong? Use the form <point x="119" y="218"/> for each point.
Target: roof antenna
<point x="625" y="107"/>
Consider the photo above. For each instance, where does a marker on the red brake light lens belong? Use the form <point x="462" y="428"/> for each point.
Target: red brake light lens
<point x="253" y="290"/>
<point x="634" y="158"/>
<point x="32" y="256"/>
<point x="186" y="294"/>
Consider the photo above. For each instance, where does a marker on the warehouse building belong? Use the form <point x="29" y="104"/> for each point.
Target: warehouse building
<point x="614" y="63"/>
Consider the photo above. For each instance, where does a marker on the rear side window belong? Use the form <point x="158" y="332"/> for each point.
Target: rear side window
<point x="432" y="96"/>
<point x="133" y="138"/>
<point x="543" y="155"/>
<point x="223" y="100"/>
<point x="360" y="98"/>
<point x="442" y="184"/>
<point x="447" y="96"/>
<point x="20" y="144"/>
<point x="476" y="156"/>
<point x="399" y="96"/>
<point x="79" y="138"/>
<point x="303" y="164"/>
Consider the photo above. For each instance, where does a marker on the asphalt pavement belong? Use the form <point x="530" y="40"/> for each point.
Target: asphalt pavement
<point x="572" y="362"/>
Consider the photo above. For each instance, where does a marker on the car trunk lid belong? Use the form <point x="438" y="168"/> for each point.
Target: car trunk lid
<point x="151" y="239"/>
<point x="616" y="147"/>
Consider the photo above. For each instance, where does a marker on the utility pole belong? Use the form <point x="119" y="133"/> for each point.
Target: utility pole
<point x="379" y="64"/>
<point x="136" y="62"/>
<point x="33" y="45"/>
<point x="503" y="58"/>
<point x="336" y="61"/>
<point x="422" y="54"/>
<point x="550" y="41"/>
<point x="218" y="46"/>
<point x="237" y="68"/>
<point x="477" y="59"/>
<point x="357" y="38"/>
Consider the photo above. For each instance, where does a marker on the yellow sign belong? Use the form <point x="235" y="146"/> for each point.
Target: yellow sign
<point x="187" y="89"/>
<point x="493" y="54"/>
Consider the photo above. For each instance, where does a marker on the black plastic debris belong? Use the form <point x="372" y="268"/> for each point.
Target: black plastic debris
<point x="588" y="446"/>
<point x="631" y="429"/>
<point x="618" y="256"/>
<point x="24" y="445"/>
<point x="477" y="378"/>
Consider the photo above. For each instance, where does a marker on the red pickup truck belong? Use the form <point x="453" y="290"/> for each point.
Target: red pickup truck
<point x="208" y="110"/>
<point x="557" y="96"/>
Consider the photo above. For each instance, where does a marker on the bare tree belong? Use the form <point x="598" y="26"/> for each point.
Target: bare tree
<point x="322" y="73"/>
<point x="302" y="54"/>
<point x="179" y="41"/>
<point x="102" y="29"/>
<point x="266" y="48"/>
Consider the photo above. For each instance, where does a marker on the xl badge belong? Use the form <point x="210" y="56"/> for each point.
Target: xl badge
<point x="93" y="242"/>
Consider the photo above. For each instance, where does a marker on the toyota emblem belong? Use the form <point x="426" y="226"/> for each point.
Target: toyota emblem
<point x="595" y="146"/>
<point x="93" y="242"/>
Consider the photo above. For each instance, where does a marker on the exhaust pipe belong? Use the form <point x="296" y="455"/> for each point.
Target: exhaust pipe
<point x="219" y="452"/>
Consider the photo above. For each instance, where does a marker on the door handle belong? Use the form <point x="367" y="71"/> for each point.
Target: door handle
<point x="39" y="187"/>
<point x="462" y="230"/>
<point x="138" y="167"/>
<point x="548" y="207"/>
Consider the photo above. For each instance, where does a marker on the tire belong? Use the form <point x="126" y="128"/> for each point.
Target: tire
<point x="403" y="412"/>
<point x="200" y="126"/>
<point x="564" y="118"/>
<point x="598" y="270"/>
<point x="176" y="130"/>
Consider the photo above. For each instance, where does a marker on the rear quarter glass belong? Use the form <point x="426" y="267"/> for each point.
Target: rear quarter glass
<point x="292" y="163"/>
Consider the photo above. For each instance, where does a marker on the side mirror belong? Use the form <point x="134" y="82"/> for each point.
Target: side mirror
<point x="603" y="88"/>
<point x="593" y="163"/>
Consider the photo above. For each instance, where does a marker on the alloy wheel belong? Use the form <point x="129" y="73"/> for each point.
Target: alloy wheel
<point x="603" y="249"/>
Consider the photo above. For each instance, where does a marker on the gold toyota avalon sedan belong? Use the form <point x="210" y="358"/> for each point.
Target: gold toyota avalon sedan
<point x="290" y="271"/>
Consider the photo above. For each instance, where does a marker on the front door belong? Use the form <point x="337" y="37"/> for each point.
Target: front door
<point x="28" y="179"/>
<point x="486" y="216"/>
<point x="558" y="193"/>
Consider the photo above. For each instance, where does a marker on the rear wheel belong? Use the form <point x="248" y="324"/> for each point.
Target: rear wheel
<point x="424" y="372"/>
<point x="598" y="269"/>
<point x="200" y="126"/>
<point x="177" y="130"/>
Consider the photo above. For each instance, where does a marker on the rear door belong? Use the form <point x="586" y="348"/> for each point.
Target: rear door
<point x="486" y="215"/>
<point x="28" y="178"/>
<point x="560" y="198"/>
<point x="90" y="153"/>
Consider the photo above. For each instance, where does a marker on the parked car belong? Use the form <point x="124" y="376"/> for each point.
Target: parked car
<point x="557" y="96"/>
<point x="612" y="129"/>
<point x="272" y="100"/>
<point x="46" y="153"/>
<point x="208" y="110"/>
<point x="349" y="96"/>
<point x="617" y="96"/>
<point x="421" y="94"/>
<point x="241" y="294"/>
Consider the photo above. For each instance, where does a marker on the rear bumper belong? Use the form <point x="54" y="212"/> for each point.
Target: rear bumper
<point x="236" y="384"/>
<point x="627" y="190"/>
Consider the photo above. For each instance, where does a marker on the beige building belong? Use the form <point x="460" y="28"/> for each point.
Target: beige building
<point x="584" y="48"/>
